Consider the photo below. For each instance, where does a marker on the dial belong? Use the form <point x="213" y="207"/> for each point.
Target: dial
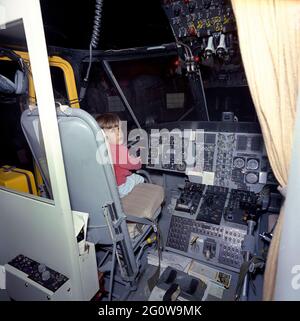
<point x="181" y="167"/>
<point x="252" y="164"/>
<point x="42" y="268"/>
<point x="46" y="275"/>
<point x="239" y="162"/>
<point x="251" y="178"/>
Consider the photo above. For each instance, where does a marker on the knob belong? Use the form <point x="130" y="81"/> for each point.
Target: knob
<point x="229" y="217"/>
<point x="181" y="167"/>
<point x="42" y="268"/>
<point x="46" y="275"/>
<point x="59" y="278"/>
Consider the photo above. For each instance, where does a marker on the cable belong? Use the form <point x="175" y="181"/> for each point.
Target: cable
<point x="93" y="45"/>
<point x="185" y="46"/>
<point x="97" y="24"/>
<point x="14" y="57"/>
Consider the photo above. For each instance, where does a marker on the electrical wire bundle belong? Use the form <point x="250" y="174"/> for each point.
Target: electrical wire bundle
<point x="93" y="44"/>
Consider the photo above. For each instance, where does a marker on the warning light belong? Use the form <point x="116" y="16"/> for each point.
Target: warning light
<point x="196" y="58"/>
<point x="192" y="31"/>
<point x="177" y="62"/>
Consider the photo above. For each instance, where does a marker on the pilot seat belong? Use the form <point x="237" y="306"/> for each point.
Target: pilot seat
<point x="119" y="226"/>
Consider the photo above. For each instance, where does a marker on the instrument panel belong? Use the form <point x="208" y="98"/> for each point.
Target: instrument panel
<point x="200" y="18"/>
<point x="208" y="29"/>
<point x="209" y="217"/>
<point x="230" y="159"/>
<point x="209" y="223"/>
<point x="217" y="245"/>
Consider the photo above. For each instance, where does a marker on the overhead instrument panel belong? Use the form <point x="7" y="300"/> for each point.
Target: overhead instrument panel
<point x="208" y="27"/>
<point x="207" y="32"/>
<point x="199" y="18"/>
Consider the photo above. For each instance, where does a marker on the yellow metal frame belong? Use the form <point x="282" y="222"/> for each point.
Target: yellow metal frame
<point x="70" y="82"/>
<point x="65" y="66"/>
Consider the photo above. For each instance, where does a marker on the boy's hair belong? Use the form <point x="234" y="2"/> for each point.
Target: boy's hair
<point x="108" y="120"/>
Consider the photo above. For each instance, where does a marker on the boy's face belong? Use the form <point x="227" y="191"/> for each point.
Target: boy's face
<point x="114" y="135"/>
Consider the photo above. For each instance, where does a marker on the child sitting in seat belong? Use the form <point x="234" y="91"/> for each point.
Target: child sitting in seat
<point x="123" y="162"/>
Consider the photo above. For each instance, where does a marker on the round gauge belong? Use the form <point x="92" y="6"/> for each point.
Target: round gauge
<point x="239" y="162"/>
<point x="252" y="164"/>
<point x="251" y="178"/>
<point x="181" y="167"/>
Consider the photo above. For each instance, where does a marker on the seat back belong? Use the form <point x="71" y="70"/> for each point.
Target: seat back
<point x="90" y="177"/>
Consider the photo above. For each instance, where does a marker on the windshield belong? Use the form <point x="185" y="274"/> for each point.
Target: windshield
<point x="159" y="90"/>
<point x="155" y="88"/>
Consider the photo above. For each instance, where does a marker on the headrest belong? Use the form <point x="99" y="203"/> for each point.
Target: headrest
<point x="6" y="85"/>
<point x="19" y="85"/>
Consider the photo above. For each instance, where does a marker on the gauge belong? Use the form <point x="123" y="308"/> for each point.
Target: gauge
<point x="239" y="162"/>
<point x="181" y="167"/>
<point x="252" y="164"/>
<point x="251" y="178"/>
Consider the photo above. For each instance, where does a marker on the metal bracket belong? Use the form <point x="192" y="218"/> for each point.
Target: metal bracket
<point x="114" y="224"/>
<point x="118" y="222"/>
<point x="253" y="266"/>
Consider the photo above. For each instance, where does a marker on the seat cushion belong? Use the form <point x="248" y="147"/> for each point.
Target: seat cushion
<point x="143" y="201"/>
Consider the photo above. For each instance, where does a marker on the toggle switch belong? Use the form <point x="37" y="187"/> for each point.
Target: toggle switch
<point x="221" y="49"/>
<point x="210" y="49"/>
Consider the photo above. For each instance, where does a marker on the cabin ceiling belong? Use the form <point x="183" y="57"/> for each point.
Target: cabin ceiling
<point x="125" y="24"/>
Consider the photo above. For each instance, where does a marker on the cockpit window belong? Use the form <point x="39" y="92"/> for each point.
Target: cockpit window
<point x="159" y="91"/>
<point x="155" y="88"/>
<point x="59" y="85"/>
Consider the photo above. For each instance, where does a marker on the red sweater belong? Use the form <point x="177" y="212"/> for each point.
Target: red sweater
<point x="123" y="162"/>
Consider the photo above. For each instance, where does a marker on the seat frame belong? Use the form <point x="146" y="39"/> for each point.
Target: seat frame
<point x="113" y="220"/>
